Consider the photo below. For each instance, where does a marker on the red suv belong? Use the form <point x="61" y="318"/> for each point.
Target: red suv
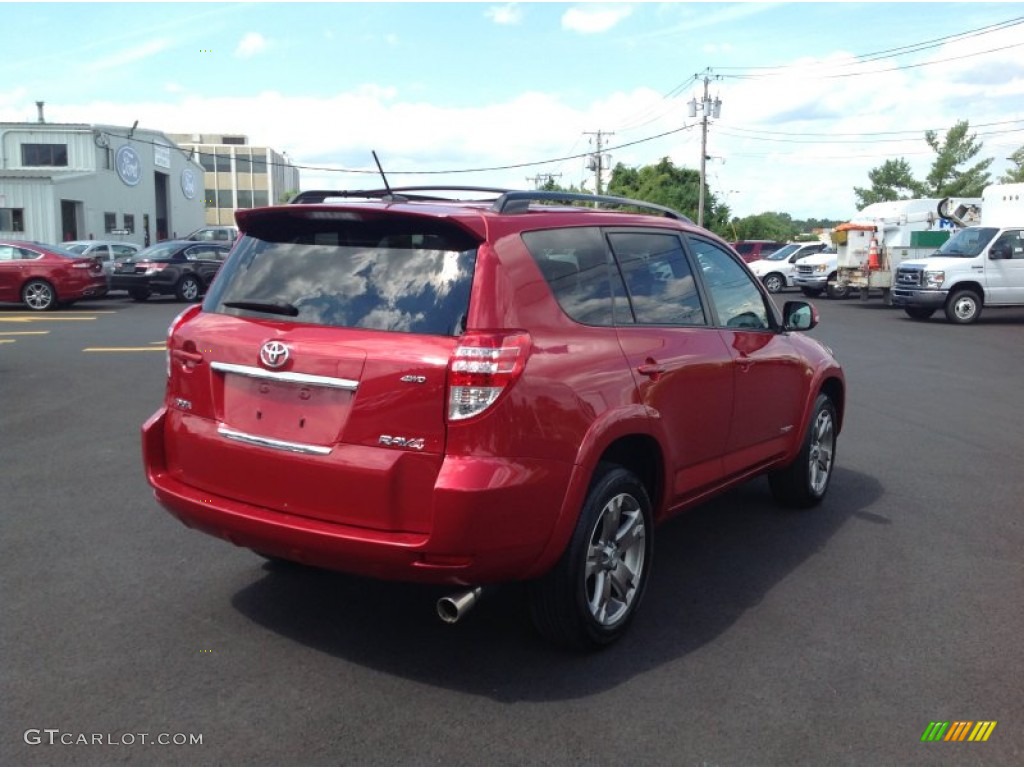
<point x="470" y="392"/>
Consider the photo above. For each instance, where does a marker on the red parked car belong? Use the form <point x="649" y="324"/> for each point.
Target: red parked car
<point x="44" y="277"/>
<point x="483" y="391"/>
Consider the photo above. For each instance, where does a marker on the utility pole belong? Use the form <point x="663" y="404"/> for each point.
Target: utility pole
<point x="598" y="161"/>
<point x="709" y="108"/>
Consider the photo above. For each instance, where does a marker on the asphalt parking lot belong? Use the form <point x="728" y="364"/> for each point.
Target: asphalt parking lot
<point x="832" y="637"/>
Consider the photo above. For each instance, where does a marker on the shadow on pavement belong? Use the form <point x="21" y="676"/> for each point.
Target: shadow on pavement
<point x="711" y="565"/>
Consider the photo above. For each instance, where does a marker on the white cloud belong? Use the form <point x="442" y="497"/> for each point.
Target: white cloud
<point x="590" y="19"/>
<point x="508" y="14"/>
<point x="250" y="45"/>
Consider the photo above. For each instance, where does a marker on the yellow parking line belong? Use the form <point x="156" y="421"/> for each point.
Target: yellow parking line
<point x="123" y="349"/>
<point x="7" y="341"/>
<point x="5" y="319"/>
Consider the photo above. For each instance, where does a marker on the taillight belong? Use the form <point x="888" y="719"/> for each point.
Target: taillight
<point x="482" y="367"/>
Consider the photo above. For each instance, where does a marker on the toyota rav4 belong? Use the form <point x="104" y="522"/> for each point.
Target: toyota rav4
<point x="473" y="386"/>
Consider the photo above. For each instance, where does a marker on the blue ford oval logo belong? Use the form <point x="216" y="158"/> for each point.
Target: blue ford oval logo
<point x="128" y="165"/>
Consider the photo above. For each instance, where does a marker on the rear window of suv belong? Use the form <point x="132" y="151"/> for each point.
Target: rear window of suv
<point x="395" y="274"/>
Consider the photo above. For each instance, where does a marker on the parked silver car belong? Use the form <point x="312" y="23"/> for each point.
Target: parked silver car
<point x="108" y="252"/>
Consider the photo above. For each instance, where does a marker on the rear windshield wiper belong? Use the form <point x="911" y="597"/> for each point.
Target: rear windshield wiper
<point x="274" y="307"/>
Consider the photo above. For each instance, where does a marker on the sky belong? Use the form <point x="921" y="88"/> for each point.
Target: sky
<point x="813" y="95"/>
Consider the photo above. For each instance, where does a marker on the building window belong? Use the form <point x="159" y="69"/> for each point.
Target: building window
<point x="222" y="163"/>
<point x="225" y="199"/>
<point x="12" y="219"/>
<point x="129" y="223"/>
<point x="44" y="154"/>
<point x="259" y="165"/>
<point x="260" y="198"/>
<point x="206" y="160"/>
<point x="233" y="139"/>
<point x="245" y="198"/>
<point x="210" y="198"/>
<point x="109" y="222"/>
<point x="243" y="164"/>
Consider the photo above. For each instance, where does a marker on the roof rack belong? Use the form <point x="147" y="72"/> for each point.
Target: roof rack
<point x="395" y="194"/>
<point x="519" y="202"/>
<point x="504" y="200"/>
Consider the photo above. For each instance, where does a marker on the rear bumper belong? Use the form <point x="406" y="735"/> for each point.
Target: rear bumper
<point x="491" y="519"/>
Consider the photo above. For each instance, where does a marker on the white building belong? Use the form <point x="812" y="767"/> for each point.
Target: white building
<point x="75" y="181"/>
<point x="238" y="175"/>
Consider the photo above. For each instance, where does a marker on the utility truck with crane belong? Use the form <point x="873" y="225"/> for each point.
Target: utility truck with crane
<point x="871" y="246"/>
<point x="979" y="266"/>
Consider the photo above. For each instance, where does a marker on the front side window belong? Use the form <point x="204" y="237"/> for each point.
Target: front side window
<point x="389" y="274"/>
<point x="1012" y="243"/>
<point x="12" y="219"/>
<point x="50" y="155"/>
<point x="737" y="300"/>
<point x="577" y="267"/>
<point x="661" y="287"/>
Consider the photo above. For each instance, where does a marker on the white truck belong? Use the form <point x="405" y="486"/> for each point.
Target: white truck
<point x="979" y="266"/>
<point x="871" y="246"/>
<point x="778" y="269"/>
<point x="816" y="274"/>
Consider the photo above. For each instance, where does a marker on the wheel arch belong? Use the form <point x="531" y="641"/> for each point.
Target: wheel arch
<point x="624" y="439"/>
<point x="970" y="285"/>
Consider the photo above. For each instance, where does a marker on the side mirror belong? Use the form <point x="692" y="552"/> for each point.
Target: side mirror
<point x="799" y="316"/>
<point x="1000" y="251"/>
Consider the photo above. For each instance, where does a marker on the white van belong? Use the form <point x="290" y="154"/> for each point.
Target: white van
<point x="977" y="267"/>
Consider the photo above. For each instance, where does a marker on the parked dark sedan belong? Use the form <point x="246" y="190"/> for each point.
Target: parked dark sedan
<point x="180" y="268"/>
<point x="43" y="277"/>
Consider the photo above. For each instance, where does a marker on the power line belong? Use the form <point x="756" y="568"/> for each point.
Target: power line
<point x="912" y="48"/>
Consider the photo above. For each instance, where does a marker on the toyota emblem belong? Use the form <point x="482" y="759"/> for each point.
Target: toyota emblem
<point x="274" y="354"/>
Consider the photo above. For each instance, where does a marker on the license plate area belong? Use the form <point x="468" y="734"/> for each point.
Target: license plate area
<point x="291" y="411"/>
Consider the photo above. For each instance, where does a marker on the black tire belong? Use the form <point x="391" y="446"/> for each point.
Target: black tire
<point x="837" y="292"/>
<point x="589" y="598"/>
<point x="774" y="282"/>
<point x="139" y="294"/>
<point x="39" y="296"/>
<point x="805" y="481"/>
<point x="188" y="289"/>
<point x="811" y="293"/>
<point x="919" y="313"/>
<point x="963" y="307"/>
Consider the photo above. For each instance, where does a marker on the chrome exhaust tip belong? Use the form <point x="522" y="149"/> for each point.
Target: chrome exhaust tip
<point x="451" y="608"/>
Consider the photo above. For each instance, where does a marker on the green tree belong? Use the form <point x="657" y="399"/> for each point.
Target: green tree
<point x="892" y="180"/>
<point x="287" y="195"/>
<point x="665" y="183"/>
<point x="947" y="178"/>
<point x="1014" y="174"/>
<point x="764" y="226"/>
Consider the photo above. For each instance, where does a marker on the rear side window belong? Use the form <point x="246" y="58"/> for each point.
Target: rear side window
<point x="577" y="266"/>
<point x="661" y="287"/>
<point x="390" y="273"/>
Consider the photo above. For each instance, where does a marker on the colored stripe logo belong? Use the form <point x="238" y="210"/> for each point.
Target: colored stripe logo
<point x="959" y="730"/>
